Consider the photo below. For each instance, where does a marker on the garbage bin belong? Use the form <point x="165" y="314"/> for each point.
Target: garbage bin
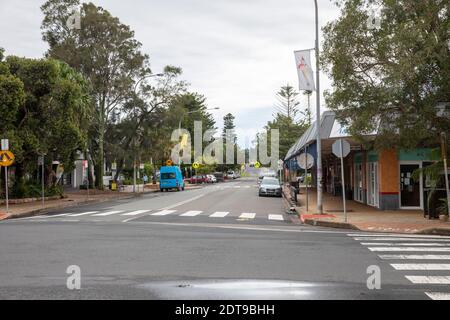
<point x="112" y="185"/>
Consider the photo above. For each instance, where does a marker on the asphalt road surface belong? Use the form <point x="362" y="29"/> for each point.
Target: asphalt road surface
<point x="218" y="242"/>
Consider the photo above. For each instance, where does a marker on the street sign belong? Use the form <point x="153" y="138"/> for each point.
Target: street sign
<point x="40" y="160"/>
<point x="6" y="158"/>
<point x="141" y="166"/>
<point x="5" y="144"/>
<point x="337" y="148"/>
<point x="196" y="165"/>
<point x="113" y="166"/>
<point x="305" y="161"/>
<point x="169" y="162"/>
<point x="257" y="164"/>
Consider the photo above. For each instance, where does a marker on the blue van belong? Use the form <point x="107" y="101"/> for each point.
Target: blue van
<point x="171" y="178"/>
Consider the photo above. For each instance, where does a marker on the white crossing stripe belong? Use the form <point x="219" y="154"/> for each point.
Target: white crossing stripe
<point x="438" y="295"/>
<point x="247" y="215"/>
<point x="82" y="214"/>
<point x="277" y="217"/>
<point x="135" y="213"/>
<point x="405" y="244"/>
<point x="163" y="212"/>
<point x="408" y="249"/>
<point x="191" y="213"/>
<point x="219" y="214"/>
<point x="399" y="239"/>
<point x="414" y="257"/>
<point x="429" y="279"/>
<point x="421" y="266"/>
<point x="107" y="213"/>
<point x="396" y="235"/>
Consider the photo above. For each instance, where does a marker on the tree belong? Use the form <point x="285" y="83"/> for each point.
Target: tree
<point x="104" y="51"/>
<point x="44" y="108"/>
<point x="390" y="79"/>
<point x="287" y="104"/>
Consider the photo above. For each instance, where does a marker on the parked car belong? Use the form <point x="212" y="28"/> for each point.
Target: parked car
<point x="231" y="175"/>
<point x="211" y="178"/>
<point x="171" y="178"/>
<point x="198" y="179"/>
<point x="270" y="187"/>
<point x="220" y="177"/>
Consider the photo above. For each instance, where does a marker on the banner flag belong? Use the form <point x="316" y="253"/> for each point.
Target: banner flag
<point x="304" y="70"/>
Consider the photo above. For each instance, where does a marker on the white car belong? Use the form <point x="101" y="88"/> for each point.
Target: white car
<point x="211" y="178"/>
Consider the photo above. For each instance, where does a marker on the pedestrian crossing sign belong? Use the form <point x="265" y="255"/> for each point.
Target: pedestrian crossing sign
<point x="196" y="165"/>
<point x="6" y="158"/>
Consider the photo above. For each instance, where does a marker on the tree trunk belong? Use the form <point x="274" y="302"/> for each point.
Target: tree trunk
<point x="101" y="157"/>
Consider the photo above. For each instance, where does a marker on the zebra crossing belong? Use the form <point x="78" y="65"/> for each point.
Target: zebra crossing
<point x="424" y="260"/>
<point x="240" y="216"/>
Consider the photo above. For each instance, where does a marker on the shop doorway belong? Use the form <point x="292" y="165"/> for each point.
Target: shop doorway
<point x="410" y="190"/>
<point x="358" y="182"/>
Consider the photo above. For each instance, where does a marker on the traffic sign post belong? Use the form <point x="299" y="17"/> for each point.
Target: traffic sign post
<point x="5" y="144"/>
<point x="341" y="149"/>
<point x="41" y="163"/>
<point x="6" y="159"/>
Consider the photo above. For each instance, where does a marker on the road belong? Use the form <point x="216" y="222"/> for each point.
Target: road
<point x="218" y="242"/>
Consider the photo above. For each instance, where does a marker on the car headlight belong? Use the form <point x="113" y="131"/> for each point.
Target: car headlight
<point x="262" y="189"/>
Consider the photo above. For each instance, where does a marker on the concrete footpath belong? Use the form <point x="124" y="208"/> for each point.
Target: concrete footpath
<point x="75" y="198"/>
<point x="363" y="217"/>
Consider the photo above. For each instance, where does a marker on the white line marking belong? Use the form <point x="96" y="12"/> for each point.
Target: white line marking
<point x="247" y="215"/>
<point x="135" y="213"/>
<point x="414" y="257"/>
<point x="184" y="202"/>
<point x="219" y="214"/>
<point x="107" y="213"/>
<point x="395" y="235"/>
<point x="57" y="215"/>
<point x="421" y="266"/>
<point x="82" y="214"/>
<point x="163" y="212"/>
<point x="277" y="217"/>
<point x="408" y="249"/>
<point x="438" y="295"/>
<point x="191" y="213"/>
<point x="405" y="244"/>
<point x="398" y="239"/>
<point x="429" y="279"/>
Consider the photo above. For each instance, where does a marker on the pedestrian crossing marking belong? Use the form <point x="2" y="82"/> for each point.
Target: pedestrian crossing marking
<point x="219" y="214"/>
<point x="57" y="215"/>
<point x="414" y="257"/>
<point x="438" y="295"/>
<point x="401" y="235"/>
<point x="191" y="213"/>
<point x="163" y="212"/>
<point x="135" y="213"/>
<point x="409" y="249"/>
<point x="277" y="217"/>
<point x="247" y="215"/>
<point x="399" y="239"/>
<point x="429" y="279"/>
<point x="421" y="266"/>
<point x="431" y="244"/>
<point x="82" y="214"/>
<point x="107" y="213"/>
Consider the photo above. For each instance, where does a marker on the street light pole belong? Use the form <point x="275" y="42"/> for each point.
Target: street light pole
<point x="318" y="116"/>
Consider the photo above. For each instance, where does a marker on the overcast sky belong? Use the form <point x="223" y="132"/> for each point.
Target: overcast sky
<point x="235" y="52"/>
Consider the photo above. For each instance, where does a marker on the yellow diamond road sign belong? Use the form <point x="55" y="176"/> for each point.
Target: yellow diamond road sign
<point x="196" y="165"/>
<point x="6" y="158"/>
<point x="257" y="164"/>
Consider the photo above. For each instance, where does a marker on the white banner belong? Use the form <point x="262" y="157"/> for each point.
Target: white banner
<point x="304" y="70"/>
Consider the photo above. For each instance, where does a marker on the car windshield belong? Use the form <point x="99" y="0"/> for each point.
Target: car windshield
<point x="270" y="181"/>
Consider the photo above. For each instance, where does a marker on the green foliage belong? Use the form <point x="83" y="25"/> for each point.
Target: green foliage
<point x="390" y="78"/>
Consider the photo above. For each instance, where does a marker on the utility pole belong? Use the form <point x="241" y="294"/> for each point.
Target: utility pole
<point x="318" y="116"/>
<point x="444" y="158"/>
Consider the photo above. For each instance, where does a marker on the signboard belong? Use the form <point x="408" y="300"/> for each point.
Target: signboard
<point x="305" y="161"/>
<point x="169" y="162"/>
<point x="40" y="160"/>
<point x="5" y="144"/>
<point x="257" y="164"/>
<point x="6" y="158"/>
<point x="337" y="148"/>
<point x="196" y="165"/>
<point x="113" y="166"/>
<point x="141" y="166"/>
